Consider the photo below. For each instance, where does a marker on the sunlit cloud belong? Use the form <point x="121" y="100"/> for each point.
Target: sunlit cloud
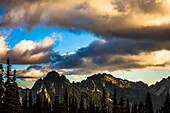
<point x="32" y="73"/>
<point x="29" y="80"/>
<point x="28" y="51"/>
<point x="3" y="47"/>
<point x="76" y="78"/>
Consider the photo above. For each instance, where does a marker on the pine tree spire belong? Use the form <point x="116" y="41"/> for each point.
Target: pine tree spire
<point x="114" y="102"/>
<point x="1" y="87"/>
<point x="104" y="101"/>
<point x="148" y="104"/>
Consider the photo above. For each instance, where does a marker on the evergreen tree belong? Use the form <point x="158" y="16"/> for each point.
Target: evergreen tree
<point x="49" y="108"/>
<point x="122" y="110"/>
<point x="30" y="102"/>
<point x="148" y="104"/>
<point x="92" y="107"/>
<point x="114" y="102"/>
<point x="11" y="97"/>
<point x="97" y="109"/>
<point x="64" y="106"/>
<point x="121" y="102"/>
<point x="134" y="108"/>
<point x="8" y="92"/>
<point x="74" y="104"/>
<point x="16" y="94"/>
<point x="45" y="105"/>
<point x="127" y="106"/>
<point x="25" y="103"/>
<point x="38" y="105"/>
<point x="56" y="107"/>
<point x="141" y="107"/>
<point x="104" y="102"/>
<point x="166" y="107"/>
<point x="70" y="105"/>
<point x="82" y="105"/>
<point x="1" y="88"/>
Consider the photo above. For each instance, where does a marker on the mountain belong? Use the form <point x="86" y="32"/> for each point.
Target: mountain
<point x="161" y="88"/>
<point x="54" y="85"/>
<point x="135" y="91"/>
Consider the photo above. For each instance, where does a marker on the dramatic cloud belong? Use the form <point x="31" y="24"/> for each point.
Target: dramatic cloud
<point x="102" y="56"/>
<point x="134" y="35"/>
<point x="115" y="55"/>
<point x="137" y="19"/>
<point x="29" y="52"/>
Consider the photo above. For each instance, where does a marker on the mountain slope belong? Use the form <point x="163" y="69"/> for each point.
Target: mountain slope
<point x="161" y="88"/>
<point x="54" y="85"/>
<point x="135" y="91"/>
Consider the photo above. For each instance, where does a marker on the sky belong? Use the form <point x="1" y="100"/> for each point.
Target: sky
<point x="129" y="39"/>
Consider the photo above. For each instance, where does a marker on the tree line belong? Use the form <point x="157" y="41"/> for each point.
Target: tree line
<point x="72" y="105"/>
<point x="10" y="101"/>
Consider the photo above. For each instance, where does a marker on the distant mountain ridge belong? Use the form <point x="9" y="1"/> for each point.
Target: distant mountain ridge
<point x="54" y="84"/>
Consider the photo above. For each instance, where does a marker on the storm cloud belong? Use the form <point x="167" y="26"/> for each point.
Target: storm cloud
<point x="135" y="19"/>
<point x="115" y="55"/>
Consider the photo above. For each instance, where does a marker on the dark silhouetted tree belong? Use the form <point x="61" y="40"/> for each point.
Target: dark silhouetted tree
<point x="92" y="107"/>
<point x="64" y="106"/>
<point x="134" y="108"/>
<point x="11" y="97"/>
<point x="127" y="106"/>
<point x="25" y="103"/>
<point x="16" y="94"/>
<point x="97" y="109"/>
<point x="30" y="102"/>
<point x="45" y="105"/>
<point x="121" y="102"/>
<point x="141" y="107"/>
<point x="104" y="102"/>
<point x="166" y="107"/>
<point x="38" y="104"/>
<point x="82" y="105"/>
<point x="1" y="88"/>
<point x="148" y="104"/>
<point x="74" y="104"/>
<point x="114" y="102"/>
<point x="56" y="107"/>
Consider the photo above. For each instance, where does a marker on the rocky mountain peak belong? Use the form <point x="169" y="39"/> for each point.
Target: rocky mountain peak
<point x="52" y="75"/>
